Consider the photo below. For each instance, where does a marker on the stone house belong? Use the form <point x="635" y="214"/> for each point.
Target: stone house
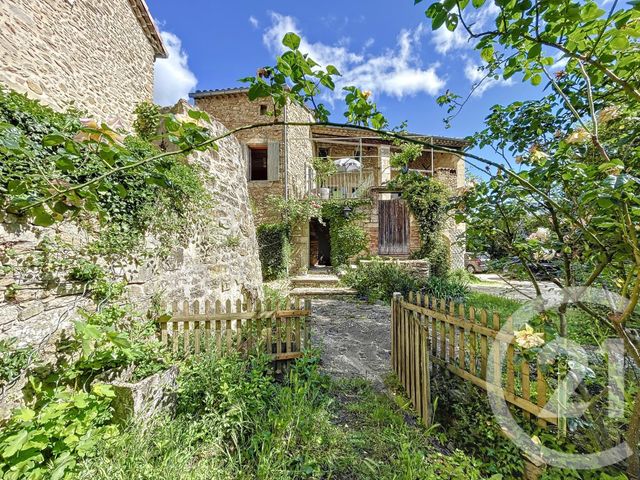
<point x="94" y="55"/>
<point x="279" y="159"/>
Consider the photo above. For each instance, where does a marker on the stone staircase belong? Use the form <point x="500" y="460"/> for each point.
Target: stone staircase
<point x="319" y="283"/>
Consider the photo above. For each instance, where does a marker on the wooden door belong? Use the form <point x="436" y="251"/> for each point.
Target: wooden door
<point x="393" y="227"/>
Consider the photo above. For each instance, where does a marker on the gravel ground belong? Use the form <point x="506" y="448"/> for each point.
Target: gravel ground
<point x="514" y="289"/>
<point x="355" y="338"/>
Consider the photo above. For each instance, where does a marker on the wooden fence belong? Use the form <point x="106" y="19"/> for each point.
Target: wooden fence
<point x="460" y="339"/>
<point x="280" y="330"/>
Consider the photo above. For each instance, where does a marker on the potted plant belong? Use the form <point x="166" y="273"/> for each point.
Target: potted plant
<point x="324" y="168"/>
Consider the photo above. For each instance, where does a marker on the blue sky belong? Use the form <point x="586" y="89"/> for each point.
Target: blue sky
<point x="385" y="46"/>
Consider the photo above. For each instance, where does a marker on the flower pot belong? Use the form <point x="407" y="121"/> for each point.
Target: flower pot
<point x="144" y="399"/>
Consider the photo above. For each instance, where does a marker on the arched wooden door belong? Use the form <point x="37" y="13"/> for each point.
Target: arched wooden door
<point x="393" y="227"/>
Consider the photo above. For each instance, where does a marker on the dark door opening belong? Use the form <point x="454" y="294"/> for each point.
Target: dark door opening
<point x="319" y="244"/>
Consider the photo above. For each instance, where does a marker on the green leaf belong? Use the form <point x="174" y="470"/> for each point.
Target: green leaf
<point x="103" y="390"/>
<point x="53" y="139"/>
<point x="535" y="51"/>
<point x="15" y="443"/>
<point x="331" y="70"/>
<point x="477" y="3"/>
<point x="487" y="53"/>
<point x="291" y="40"/>
<point x="536" y="79"/>
<point x="620" y="42"/>
<point x="42" y="218"/>
<point x="24" y="414"/>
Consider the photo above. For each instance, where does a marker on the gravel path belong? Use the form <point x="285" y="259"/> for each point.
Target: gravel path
<point x="514" y="289"/>
<point x="355" y="338"/>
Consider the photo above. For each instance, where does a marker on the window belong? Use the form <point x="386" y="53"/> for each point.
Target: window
<point x="323" y="152"/>
<point x="263" y="109"/>
<point x="258" y="158"/>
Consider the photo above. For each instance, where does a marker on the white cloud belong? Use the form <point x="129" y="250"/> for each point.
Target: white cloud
<point x="477" y="75"/>
<point x="173" y="78"/>
<point x="254" y="21"/>
<point x="478" y="20"/>
<point x="397" y="71"/>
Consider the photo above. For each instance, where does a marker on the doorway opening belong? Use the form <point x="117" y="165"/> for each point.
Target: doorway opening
<point x="319" y="244"/>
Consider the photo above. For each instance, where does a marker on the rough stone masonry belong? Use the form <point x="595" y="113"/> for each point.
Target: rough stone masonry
<point x="220" y="260"/>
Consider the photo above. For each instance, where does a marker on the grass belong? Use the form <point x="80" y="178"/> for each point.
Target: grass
<point x="311" y="428"/>
<point x="582" y="328"/>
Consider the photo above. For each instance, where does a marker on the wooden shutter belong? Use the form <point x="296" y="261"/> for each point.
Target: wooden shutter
<point x="273" y="161"/>
<point x="246" y="157"/>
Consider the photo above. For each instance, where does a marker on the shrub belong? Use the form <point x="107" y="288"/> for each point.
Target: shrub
<point x="347" y="241"/>
<point x="378" y="280"/>
<point x="41" y="148"/>
<point x="275" y="249"/>
<point x="447" y="288"/>
<point x="47" y="442"/>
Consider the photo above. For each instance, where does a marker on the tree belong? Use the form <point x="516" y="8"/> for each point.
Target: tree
<point x="577" y="146"/>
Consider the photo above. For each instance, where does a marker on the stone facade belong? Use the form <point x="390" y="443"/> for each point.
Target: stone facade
<point x="299" y="144"/>
<point x="96" y="56"/>
<point x="220" y="260"/>
<point x="234" y="109"/>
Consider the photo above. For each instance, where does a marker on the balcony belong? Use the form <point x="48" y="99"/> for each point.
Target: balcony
<point x="341" y="185"/>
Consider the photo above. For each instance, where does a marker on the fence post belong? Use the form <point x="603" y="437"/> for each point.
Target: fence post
<point x="395" y="306"/>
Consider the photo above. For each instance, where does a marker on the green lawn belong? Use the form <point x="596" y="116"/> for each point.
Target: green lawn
<point x="582" y="328"/>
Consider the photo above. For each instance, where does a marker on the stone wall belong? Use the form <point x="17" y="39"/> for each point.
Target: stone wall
<point x="299" y="150"/>
<point x="219" y="261"/>
<point x="455" y="232"/>
<point x="93" y="55"/>
<point x="236" y="110"/>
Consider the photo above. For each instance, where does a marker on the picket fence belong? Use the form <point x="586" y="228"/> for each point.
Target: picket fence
<point x="279" y="329"/>
<point x="425" y="329"/>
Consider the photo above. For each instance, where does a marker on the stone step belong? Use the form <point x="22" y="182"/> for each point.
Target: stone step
<point x="311" y="292"/>
<point x="315" y="281"/>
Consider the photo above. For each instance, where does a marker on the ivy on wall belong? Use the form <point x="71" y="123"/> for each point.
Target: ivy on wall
<point x="346" y="237"/>
<point x="428" y="200"/>
<point x="43" y="152"/>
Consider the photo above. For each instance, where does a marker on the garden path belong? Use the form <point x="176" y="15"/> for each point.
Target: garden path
<point x="355" y="338"/>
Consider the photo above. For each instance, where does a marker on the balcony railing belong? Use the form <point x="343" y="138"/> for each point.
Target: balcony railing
<point x="353" y="184"/>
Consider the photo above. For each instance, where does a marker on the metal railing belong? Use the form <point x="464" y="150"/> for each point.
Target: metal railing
<point x="353" y="184"/>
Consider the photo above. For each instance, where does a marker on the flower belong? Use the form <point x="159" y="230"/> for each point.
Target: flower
<point x="608" y="113"/>
<point x="541" y="234"/>
<point x="366" y="93"/>
<point x="527" y="338"/>
<point x="578" y="136"/>
<point x="96" y="133"/>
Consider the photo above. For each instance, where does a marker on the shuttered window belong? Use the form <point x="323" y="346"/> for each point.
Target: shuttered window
<point x="273" y="161"/>
<point x="262" y="161"/>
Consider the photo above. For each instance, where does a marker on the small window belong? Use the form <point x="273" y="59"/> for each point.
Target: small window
<point x="263" y="109"/>
<point x="323" y="152"/>
<point x="258" y="159"/>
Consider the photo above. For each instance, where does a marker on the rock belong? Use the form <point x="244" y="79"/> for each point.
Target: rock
<point x="145" y="399"/>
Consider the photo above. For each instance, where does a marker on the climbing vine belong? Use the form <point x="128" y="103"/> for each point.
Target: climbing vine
<point x="347" y="238"/>
<point x="43" y="152"/>
<point x="428" y="200"/>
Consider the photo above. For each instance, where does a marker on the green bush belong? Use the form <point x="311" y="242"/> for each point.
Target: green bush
<point x="13" y="360"/>
<point x="378" y="280"/>
<point x="347" y="241"/>
<point x="48" y="441"/>
<point x="275" y="249"/>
